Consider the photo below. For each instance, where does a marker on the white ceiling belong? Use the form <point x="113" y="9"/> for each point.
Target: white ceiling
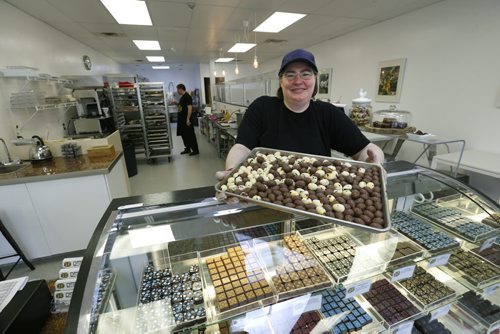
<point x="196" y="35"/>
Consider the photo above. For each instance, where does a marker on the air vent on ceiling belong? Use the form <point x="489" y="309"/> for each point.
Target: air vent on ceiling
<point x="109" y="34"/>
<point x="274" y="41"/>
<point x="139" y="60"/>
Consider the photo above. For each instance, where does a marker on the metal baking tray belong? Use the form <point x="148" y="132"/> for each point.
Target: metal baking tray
<point x="387" y="219"/>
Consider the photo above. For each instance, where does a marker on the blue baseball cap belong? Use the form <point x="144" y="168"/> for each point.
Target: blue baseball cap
<point x="298" y="55"/>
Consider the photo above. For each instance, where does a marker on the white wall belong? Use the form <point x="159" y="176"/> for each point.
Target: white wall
<point x="188" y="74"/>
<point x="452" y="68"/>
<point x="27" y="41"/>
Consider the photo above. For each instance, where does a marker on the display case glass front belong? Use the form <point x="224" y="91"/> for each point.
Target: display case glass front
<point x="207" y="266"/>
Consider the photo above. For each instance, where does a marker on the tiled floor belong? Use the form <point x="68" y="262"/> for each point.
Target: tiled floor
<point x="182" y="172"/>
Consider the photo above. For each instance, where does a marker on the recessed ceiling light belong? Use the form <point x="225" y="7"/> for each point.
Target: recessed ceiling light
<point x="278" y="21"/>
<point x="223" y="60"/>
<point x="161" y="67"/>
<point x="241" y="47"/>
<point x="129" y="12"/>
<point x="156" y="59"/>
<point x="147" y="45"/>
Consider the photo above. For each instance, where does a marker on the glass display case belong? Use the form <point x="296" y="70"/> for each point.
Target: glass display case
<point x="391" y="118"/>
<point x="168" y="264"/>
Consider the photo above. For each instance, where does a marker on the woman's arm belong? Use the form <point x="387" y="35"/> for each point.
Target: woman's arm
<point x="371" y="153"/>
<point x="236" y="155"/>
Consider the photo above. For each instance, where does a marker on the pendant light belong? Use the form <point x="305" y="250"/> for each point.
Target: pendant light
<point x="255" y="60"/>
<point x="236" y="69"/>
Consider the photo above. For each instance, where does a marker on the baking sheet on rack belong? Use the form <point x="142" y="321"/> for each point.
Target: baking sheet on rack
<point x="386" y="213"/>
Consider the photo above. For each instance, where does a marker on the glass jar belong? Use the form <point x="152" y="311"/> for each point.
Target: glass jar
<point x="391" y="118"/>
<point x="361" y="109"/>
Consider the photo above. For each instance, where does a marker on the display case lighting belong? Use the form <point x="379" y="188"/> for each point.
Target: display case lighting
<point x="166" y="67"/>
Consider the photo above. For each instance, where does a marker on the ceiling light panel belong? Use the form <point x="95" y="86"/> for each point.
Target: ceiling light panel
<point x="278" y="21"/>
<point x="161" y="67"/>
<point x="223" y="60"/>
<point x="147" y="45"/>
<point x="241" y="47"/>
<point x="155" y="59"/>
<point x="129" y="11"/>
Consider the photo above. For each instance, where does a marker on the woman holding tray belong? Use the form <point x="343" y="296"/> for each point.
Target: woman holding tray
<point x="293" y="121"/>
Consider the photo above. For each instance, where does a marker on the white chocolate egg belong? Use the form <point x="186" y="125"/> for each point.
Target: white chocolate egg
<point x="338" y="207"/>
<point x="361" y="170"/>
<point x="346" y="192"/>
<point x="331" y="198"/>
<point x="370" y="185"/>
<point x="337" y="185"/>
<point x="317" y="202"/>
<point x="324" y="182"/>
<point x="294" y="194"/>
<point x="223" y="187"/>
<point x="362" y="184"/>
<point x="345" y="173"/>
<point x="312" y="186"/>
<point x="322" y="187"/>
<point x="347" y="187"/>
<point x="257" y="197"/>
<point x="320" y="210"/>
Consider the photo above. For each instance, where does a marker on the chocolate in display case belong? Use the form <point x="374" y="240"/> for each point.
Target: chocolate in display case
<point x="185" y="262"/>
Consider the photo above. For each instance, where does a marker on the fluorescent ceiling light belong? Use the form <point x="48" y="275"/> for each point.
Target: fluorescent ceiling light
<point x="129" y="11"/>
<point x="241" y="47"/>
<point x="223" y="60"/>
<point x="278" y="21"/>
<point x="147" y="45"/>
<point x="156" y="58"/>
<point x="161" y="67"/>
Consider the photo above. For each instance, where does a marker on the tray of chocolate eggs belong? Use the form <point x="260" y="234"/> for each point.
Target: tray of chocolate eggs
<point x="344" y="192"/>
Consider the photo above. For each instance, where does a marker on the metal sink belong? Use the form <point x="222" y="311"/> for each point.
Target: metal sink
<point x="12" y="168"/>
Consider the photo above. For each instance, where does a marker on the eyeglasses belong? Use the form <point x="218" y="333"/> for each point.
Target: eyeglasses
<point x="304" y="75"/>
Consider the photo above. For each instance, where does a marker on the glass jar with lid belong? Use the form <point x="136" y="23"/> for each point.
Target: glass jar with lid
<point x="391" y="118"/>
<point x="361" y="109"/>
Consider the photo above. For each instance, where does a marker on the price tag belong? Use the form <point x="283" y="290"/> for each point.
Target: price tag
<point x="487" y="244"/>
<point x="490" y="290"/>
<point x="440" y="260"/>
<point x="443" y="310"/>
<point x="403" y="273"/>
<point x="404" y="328"/>
<point x="357" y="289"/>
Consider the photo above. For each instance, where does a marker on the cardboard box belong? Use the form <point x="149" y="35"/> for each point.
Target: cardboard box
<point x="101" y="152"/>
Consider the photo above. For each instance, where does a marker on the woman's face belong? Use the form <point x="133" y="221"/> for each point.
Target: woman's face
<point x="297" y="88"/>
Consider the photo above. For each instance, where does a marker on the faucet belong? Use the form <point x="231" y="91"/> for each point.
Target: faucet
<point x="6" y="150"/>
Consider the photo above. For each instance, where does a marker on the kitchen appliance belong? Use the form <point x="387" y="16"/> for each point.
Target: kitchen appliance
<point x="89" y="104"/>
<point x="38" y="151"/>
<point x="94" y="125"/>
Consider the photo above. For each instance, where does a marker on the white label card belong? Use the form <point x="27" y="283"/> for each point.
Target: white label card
<point x="487" y="244"/>
<point x="404" y="328"/>
<point x="490" y="290"/>
<point x="357" y="289"/>
<point x="440" y="260"/>
<point x="306" y="305"/>
<point x="403" y="273"/>
<point x="443" y="310"/>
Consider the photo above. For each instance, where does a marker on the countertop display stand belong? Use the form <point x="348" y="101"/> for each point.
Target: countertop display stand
<point x="236" y="266"/>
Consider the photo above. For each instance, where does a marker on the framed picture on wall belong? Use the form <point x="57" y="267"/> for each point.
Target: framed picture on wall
<point x="324" y="83"/>
<point x="390" y="80"/>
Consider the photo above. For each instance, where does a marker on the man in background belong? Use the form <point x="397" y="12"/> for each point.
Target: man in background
<point x="185" y="126"/>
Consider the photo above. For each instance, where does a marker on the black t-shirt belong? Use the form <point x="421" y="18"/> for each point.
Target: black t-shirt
<point x="317" y="130"/>
<point x="185" y="101"/>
